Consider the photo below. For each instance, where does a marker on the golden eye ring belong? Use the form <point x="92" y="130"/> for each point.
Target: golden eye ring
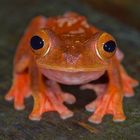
<point x="40" y="43"/>
<point x="106" y="46"/>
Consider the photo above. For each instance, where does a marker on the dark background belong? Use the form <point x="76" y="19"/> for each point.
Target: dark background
<point x="128" y="11"/>
<point x="14" y="17"/>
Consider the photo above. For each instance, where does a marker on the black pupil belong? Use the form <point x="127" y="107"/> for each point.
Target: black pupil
<point x="110" y="46"/>
<point x="36" y="42"/>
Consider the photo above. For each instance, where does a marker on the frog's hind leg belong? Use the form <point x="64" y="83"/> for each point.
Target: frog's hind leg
<point x="19" y="90"/>
<point x="128" y="83"/>
<point x="20" y="85"/>
<point x="64" y="96"/>
<point x="99" y="90"/>
<point x="21" y="81"/>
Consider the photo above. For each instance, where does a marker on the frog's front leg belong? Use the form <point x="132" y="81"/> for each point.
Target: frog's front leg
<point x="21" y="80"/>
<point x="112" y="99"/>
<point x="46" y="99"/>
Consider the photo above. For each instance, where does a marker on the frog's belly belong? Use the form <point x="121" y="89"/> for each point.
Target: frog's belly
<point x="71" y="78"/>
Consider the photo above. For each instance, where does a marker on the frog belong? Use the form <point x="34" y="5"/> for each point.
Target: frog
<point x="68" y="50"/>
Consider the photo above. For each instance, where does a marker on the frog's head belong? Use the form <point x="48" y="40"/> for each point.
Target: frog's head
<point x="72" y="51"/>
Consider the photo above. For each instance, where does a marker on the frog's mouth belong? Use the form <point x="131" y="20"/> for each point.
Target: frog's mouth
<point x="71" y="78"/>
<point x="73" y="69"/>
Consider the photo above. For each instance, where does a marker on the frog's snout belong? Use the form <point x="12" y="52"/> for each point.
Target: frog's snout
<point x="71" y="59"/>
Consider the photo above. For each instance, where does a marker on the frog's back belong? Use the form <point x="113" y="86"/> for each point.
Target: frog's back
<point x="70" y="23"/>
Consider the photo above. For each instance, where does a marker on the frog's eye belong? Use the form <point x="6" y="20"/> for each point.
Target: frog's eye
<point x="36" y="42"/>
<point x="106" y="46"/>
<point x="109" y="46"/>
<point x="40" y="43"/>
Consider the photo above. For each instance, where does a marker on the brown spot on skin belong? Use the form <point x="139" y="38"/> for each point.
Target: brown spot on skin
<point x="71" y="59"/>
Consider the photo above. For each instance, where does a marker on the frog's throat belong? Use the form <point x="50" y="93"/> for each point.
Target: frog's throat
<point x="72" y="78"/>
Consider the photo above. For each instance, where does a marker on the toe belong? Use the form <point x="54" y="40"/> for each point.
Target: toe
<point x="19" y="107"/>
<point x="119" y="118"/>
<point x="129" y="94"/>
<point x="90" y="107"/>
<point x="34" y="117"/>
<point x="95" y="119"/>
<point x="68" y="98"/>
<point x="8" y="98"/>
<point x="66" y="114"/>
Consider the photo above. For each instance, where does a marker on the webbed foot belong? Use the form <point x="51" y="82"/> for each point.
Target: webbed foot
<point x="108" y="103"/>
<point x="99" y="89"/>
<point x="49" y="101"/>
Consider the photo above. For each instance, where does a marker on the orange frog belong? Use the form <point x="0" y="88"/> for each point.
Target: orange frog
<point x="66" y="49"/>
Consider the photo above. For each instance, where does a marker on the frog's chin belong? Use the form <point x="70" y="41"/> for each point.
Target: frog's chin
<point x="72" y="78"/>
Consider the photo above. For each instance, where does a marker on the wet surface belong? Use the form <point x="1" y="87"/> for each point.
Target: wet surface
<point x="14" y="17"/>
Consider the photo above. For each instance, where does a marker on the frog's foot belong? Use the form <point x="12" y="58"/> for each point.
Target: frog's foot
<point x="50" y="101"/>
<point x="99" y="89"/>
<point x="109" y="103"/>
<point x="68" y="98"/>
<point x="128" y="85"/>
<point x="65" y="96"/>
<point x="92" y="106"/>
<point x="19" y="90"/>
